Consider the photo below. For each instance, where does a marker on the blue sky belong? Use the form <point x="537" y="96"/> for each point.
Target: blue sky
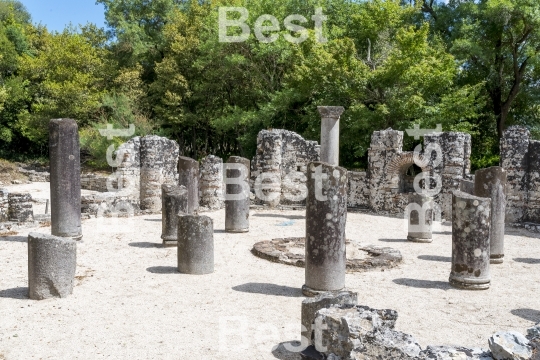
<point x="56" y="14"/>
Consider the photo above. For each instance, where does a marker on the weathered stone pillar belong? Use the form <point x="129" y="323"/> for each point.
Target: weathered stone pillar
<point x="491" y="183"/>
<point x="330" y="133"/>
<point x="471" y="222"/>
<point x="310" y="306"/>
<point x="20" y="207"/>
<point x="326" y="215"/>
<point x="188" y="176"/>
<point x="174" y="202"/>
<point x="267" y="185"/>
<point x="65" y="167"/>
<point x="419" y="213"/>
<point x="211" y="182"/>
<point x="237" y="194"/>
<point x="4" y="205"/>
<point x="195" y="244"/>
<point x="52" y="262"/>
<point x="467" y="186"/>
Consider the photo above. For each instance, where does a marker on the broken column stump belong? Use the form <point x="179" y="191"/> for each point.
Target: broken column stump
<point x="419" y="213"/>
<point x="471" y="223"/>
<point x="237" y="195"/>
<point x="326" y="216"/>
<point x="20" y="207"/>
<point x="52" y="262"/>
<point x="174" y="202"/>
<point x="491" y="183"/>
<point x="188" y="176"/>
<point x="211" y="182"/>
<point x="65" y="168"/>
<point x="195" y="244"/>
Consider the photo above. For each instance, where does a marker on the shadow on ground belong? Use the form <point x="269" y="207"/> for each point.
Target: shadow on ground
<point x="15" y="293"/>
<point x="527" y="260"/>
<point x="145" y="244"/>
<point x="435" y="258"/>
<point x="289" y="350"/>
<point x="269" y="289"/>
<point x="280" y="216"/>
<point x="14" y="238"/>
<point x="394" y="240"/>
<point x="163" y="270"/>
<point x="527" y="314"/>
<point x="423" y="284"/>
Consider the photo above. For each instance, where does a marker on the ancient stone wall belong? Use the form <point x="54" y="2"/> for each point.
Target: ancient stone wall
<point x="94" y="182"/>
<point x="283" y="157"/>
<point x="357" y="190"/>
<point x="520" y="157"/>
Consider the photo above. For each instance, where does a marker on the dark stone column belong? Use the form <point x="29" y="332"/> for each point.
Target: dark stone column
<point x="491" y="183"/>
<point x="471" y="222"/>
<point x="20" y="207"/>
<point x="52" y="262"/>
<point x="237" y="185"/>
<point x="174" y="202"/>
<point x="195" y="244"/>
<point x="326" y="215"/>
<point x="188" y="176"/>
<point x="65" y="167"/>
<point x="420" y="218"/>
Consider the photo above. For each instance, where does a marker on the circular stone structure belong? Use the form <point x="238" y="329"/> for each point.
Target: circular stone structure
<point x="291" y="251"/>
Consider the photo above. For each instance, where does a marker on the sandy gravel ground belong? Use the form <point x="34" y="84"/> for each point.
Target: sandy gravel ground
<point x="130" y="303"/>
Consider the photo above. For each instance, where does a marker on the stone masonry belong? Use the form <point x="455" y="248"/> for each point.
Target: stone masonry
<point x="520" y="157"/>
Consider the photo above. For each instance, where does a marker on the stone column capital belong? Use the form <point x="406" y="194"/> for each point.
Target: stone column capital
<point x="332" y="112"/>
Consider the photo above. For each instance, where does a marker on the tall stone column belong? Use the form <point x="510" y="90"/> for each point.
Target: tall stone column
<point x="65" y="168"/>
<point x="188" y="176"/>
<point x="471" y="222"/>
<point x="174" y="202"/>
<point x="4" y="205"/>
<point x="419" y="214"/>
<point x="330" y="133"/>
<point x="491" y="183"/>
<point x="326" y="216"/>
<point x="237" y="195"/>
<point x="267" y="185"/>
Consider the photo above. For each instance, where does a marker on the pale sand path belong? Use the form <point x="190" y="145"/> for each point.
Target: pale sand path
<point x="130" y="303"/>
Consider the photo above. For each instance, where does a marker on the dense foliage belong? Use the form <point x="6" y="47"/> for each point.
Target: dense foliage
<point x="470" y="65"/>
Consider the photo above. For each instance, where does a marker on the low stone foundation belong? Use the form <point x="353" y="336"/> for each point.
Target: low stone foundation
<point x="291" y="251"/>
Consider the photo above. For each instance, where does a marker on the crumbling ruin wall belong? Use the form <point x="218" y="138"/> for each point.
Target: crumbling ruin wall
<point x="520" y="157"/>
<point x="283" y="157"/>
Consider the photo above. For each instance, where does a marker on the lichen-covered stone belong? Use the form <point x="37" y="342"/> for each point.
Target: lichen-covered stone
<point x="237" y="210"/>
<point x="211" y="183"/>
<point x="491" y="183"/>
<point x="20" y="207"/>
<point x="419" y="215"/>
<point x="326" y="216"/>
<point x="509" y="345"/>
<point x="471" y="223"/>
<point x="4" y="205"/>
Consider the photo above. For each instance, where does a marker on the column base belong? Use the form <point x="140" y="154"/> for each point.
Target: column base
<point x="309" y="292"/>
<point x="496" y="259"/>
<point x="419" y="240"/>
<point x="169" y="240"/>
<point x="469" y="286"/>
<point x="237" y="231"/>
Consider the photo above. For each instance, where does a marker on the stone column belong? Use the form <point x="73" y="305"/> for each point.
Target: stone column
<point x="52" y="262"/>
<point x="419" y="213"/>
<point x="330" y="133"/>
<point x="326" y="215"/>
<point x="65" y="167"/>
<point x="195" y="244"/>
<point x="491" y="183"/>
<point x="471" y="222"/>
<point x="4" y="205"/>
<point x="174" y="202"/>
<point x="211" y="182"/>
<point x="20" y="207"/>
<point x="268" y="183"/>
<point x="467" y="186"/>
<point x="237" y="195"/>
<point x="188" y="176"/>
